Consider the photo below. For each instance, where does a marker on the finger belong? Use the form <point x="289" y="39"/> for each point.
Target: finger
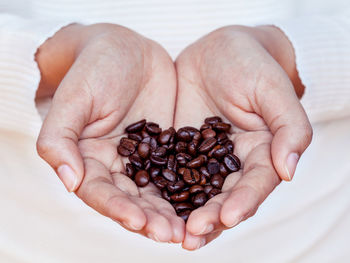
<point x="99" y="192"/>
<point x="58" y="138"/>
<point x="258" y="181"/>
<point x="192" y="242"/>
<point x="290" y="126"/>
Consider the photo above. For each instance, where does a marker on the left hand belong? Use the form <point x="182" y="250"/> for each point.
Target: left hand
<point x="231" y="73"/>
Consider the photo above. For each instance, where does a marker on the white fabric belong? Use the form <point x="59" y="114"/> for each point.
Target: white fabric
<point x="307" y="220"/>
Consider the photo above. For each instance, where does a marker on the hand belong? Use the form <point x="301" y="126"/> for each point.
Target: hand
<point x="231" y="73"/>
<point x="106" y="77"/>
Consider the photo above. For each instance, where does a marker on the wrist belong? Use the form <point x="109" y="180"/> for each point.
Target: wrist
<point x="281" y="49"/>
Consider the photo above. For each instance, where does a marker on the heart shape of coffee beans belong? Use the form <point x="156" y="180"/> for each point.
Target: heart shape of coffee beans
<point x="188" y="166"/>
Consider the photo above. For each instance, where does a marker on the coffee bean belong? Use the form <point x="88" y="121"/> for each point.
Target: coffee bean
<point x="181" y="147"/>
<point x="217" y="181"/>
<point x="169" y="147"/>
<point x="184" y="214"/>
<point x="191" y="177"/>
<point x="153" y="128"/>
<point x="160" y="182"/>
<point x="147" y="165"/>
<point x="169" y="175"/>
<point x="223" y="170"/>
<point x="208" y="188"/>
<point x="136" y="161"/>
<point x="141" y="178"/>
<point x="135" y="136"/>
<point x="160" y="151"/>
<point x="232" y="162"/>
<point x="165" y="195"/>
<point x="180" y="197"/>
<point x="213" y="166"/>
<point x="126" y="147"/>
<point x="154" y="172"/>
<point x="213" y="193"/>
<point x="196" y="189"/>
<point x="151" y="141"/>
<point x="222" y="138"/>
<point x="208" y="133"/>
<point x="211" y="152"/>
<point x="176" y="186"/>
<point x="171" y="164"/>
<point x="192" y="147"/>
<point x="207" y="145"/>
<point x="197" y="162"/>
<point x="205" y="126"/>
<point x="199" y="199"/>
<point x="183" y="135"/>
<point x="157" y="160"/>
<point x="181" y="170"/>
<point x="212" y="120"/>
<point x="164" y="137"/>
<point x="135" y="127"/>
<point x="183" y="158"/>
<point x="203" y="170"/>
<point x="222" y="126"/>
<point x="129" y="170"/>
<point x="183" y="206"/>
<point x="144" y="150"/>
<point x="203" y="180"/>
<point x="191" y="130"/>
<point x="220" y="152"/>
<point x="145" y="134"/>
<point x="229" y="146"/>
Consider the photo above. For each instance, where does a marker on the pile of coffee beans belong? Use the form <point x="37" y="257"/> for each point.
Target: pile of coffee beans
<point x="189" y="166"/>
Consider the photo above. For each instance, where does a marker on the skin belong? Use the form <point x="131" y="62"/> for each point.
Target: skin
<point x="231" y="74"/>
<point x="104" y="77"/>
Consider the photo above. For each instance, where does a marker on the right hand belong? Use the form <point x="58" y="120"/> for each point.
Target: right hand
<point x="105" y="77"/>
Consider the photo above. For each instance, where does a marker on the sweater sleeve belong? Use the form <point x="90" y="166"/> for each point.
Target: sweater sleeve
<point x="19" y="73"/>
<point x="322" y="50"/>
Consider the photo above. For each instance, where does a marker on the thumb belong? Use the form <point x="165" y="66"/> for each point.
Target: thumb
<point x="290" y="126"/>
<point x="57" y="143"/>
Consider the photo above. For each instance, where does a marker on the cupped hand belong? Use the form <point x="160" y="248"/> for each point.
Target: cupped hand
<point x="106" y="78"/>
<point x="230" y="73"/>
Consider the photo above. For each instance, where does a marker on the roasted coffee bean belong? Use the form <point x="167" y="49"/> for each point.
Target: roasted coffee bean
<point x="144" y="150"/>
<point x="141" y="178"/>
<point x="169" y="147"/>
<point x="160" y="151"/>
<point x="208" y="188"/>
<point x="197" y="162"/>
<point x="197" y="136"/>
<point x="165" y="195"/>
<point x="203" y="180"/>
<point x="217" y="181"/>
<point x="196" y="189"/>
<point x="157" y="160"/>
<point x="229" y="146"/>
<point x="184" y="214"/>
<point x="126" y="147"/>
<point x="181" y="147"/>
<point x="232" y="162"/>
<point x="136" y="127"/>
<point x="192" y="130"/>
<point x="181" y="170"/>
<point x="171" y="164"/>
<point x="182" y="206"/>
<point x="212" y="120"/>
<point x="151" y="141"/>
<point x="145" y="134"/>
<point x="211" y="152"/>
<point x="180" y="197"/>
<point x="153" y="128"/>
<point x="220" y="152"/>
<point x="154" y="172"/>
<point x="205" y="126"/>
<point x="213" y="166"/>
<point x="222" y="138"/>
<point x="176" y="186"/>
<point x="136" y="161"/>
<point x="192" y="147"/>
<point x="213" y="193"/>
<point x="222" y="126"/>
<point x="169" y="175"/>
<point x="203" y="170"/>
<point x="129" y="170"/>
<point x="183" y="158"/>
<point x="191" y="177"/>
<point x="183" y="135"/>
<point x="135" y="136"/>
<point x="160" y="182"/>
<point x="164" y="137"/>
<point x="208" y="133"/>
<point x="223" y="170"/>
<point x="199" y="199"/>
<point x="207" y="145"/>
<point x="147" y="165"/>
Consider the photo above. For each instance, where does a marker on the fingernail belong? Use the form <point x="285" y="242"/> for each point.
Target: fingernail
<point x="291" y="164"/>
<point x="201" y="243"/>
<point x="206" y="229"/>
<point x="68" y="177"/>
<point x="131" y="226"/>
<point x="236" y="221"/>
<point x="153" y="237"/>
